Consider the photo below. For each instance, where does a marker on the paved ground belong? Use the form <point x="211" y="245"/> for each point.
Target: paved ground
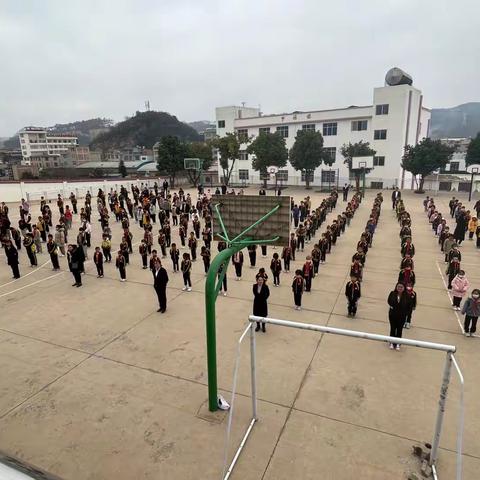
<point x="95" y="384"/>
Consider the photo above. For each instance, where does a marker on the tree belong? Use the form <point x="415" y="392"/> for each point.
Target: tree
<point x="269" y="150"/>
<point x="229" y="150"/>
<point x="203" y="151"/>
<point x="473" y="151"/>
<point x="307" y="153"/>
<point x="359" y="149"/>
<point x="426" y="157"/>
<point x="171" y="152"/>
<point x="122" y="169"/>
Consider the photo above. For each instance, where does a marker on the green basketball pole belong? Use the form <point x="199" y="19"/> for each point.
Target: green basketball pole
<point x="211" y="292"/>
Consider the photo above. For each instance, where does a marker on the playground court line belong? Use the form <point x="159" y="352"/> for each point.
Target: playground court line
<point x="27" y="274"/>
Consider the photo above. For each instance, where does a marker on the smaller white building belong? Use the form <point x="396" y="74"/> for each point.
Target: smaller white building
<point x="40" y="142"/>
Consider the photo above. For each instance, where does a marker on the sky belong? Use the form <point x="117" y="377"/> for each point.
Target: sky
<point x="62" y="61"/>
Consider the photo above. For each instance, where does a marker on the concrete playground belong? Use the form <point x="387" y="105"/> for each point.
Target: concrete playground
<point x="96" y="385"/>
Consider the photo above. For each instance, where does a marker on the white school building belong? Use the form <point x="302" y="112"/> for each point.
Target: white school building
<point x="396" y="117"/>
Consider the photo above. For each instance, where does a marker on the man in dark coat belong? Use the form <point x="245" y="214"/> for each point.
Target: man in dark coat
<point x="396" y="195"/>
<point x="160" y="280"/>
<point x="12" y="258"/>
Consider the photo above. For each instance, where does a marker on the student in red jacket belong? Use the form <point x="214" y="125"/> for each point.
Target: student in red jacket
<point x="307" y="273"/>
<point x="298" y="285"/>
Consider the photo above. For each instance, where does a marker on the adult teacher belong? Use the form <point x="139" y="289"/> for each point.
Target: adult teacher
<point x="261" y="292"/>
<point x="160" y="280"/>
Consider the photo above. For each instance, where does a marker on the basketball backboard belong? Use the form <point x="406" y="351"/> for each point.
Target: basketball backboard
<point x="240" y="211"/>
<point x="475" y="168"/>
<point x="192" y="163"/>
<point x="362" y="162"/>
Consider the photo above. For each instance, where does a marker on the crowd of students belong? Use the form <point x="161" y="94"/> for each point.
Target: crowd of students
<point x="457" y="280"/>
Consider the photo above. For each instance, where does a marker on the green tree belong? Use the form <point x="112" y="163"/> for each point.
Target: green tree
<point x="359" y="149"/>
<point x="229" y="150"/>
<point x="171" y="152"/>
<point x="426" y="157"/>
<point x="122" y="169"/>
<point x="307" y="153"/>
<point x="473" y="151"/>
<point x="203" y="151"/>
<point x="269" y="150"/>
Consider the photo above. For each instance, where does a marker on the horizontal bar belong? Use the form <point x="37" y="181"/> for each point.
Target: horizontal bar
<point x="239" y="451"/>
<point x="355" y="334"/>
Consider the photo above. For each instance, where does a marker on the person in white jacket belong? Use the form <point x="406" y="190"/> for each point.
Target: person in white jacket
<point x="460" y="286"/>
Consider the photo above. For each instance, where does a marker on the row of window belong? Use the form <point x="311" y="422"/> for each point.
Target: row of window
<point x="330" y="152"/>
<point x="328" y="176"/>
<point x="329" y="129"/>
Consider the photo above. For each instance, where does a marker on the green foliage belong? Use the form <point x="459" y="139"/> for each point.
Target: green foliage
<point x="171" y="153"/>
<point x="203" y="151"/>
<point x="269" y="150"/>
<point x="144" y="129"/>
<point x="122" y="169"/>
<point x="426" y="157"/>
<point x="229" y="149"/>
<point x="307" y="152"/>
<point x="473" y="151"/>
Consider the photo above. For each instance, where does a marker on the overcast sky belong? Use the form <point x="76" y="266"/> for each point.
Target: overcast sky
<point x="72" y="60"/>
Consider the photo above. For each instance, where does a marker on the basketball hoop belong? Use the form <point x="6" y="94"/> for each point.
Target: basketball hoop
<point x="272" y="170"/>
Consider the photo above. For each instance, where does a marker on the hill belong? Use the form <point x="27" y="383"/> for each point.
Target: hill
<point x="201" y="125"/>
<point x="145" y="128"/>
<point x="460" y="121"/>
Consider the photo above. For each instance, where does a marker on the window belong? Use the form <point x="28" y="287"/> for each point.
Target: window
<point x="282" y="175"/>
<point x="243" y="174"/>
<point x="330" y="152"/>
<point x="242" y="134"/>
<point x="328" y="176"/>
<point x="380" y="135"/>
<point x="378" y="162"/>
<point x="382" y="109"/>
<point x="376" y="185"/>
<point x="309" y="126"/>
<point x="304" y="176"/>
<point x="329" y="129"/>
<point x="454" y="166"/>
<point x="242" y="155"/>
<point x="263" y="130"/>
<point x="283" y="131"/>
<point x="221" y="124"/>
<point x="358" y="125"/>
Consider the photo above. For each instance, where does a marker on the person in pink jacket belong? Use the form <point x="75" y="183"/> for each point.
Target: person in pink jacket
<point x="460" y="286"/>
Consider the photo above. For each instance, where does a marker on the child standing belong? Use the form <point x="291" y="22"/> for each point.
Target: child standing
<point x="252" y="254"/>
<point x="192" y="245"/>
<point x="471" y="310"/>
<point x="356" y="270"/>
<point x="460" y="286"/>
<point x="143" y="251"/>
<point x="452" y="270"/>
<point x="308" y="273"/>
<point x="98" y="260"/>
<point x="205" y="254"/>
<point x="287" y="256"/>
<point x="237" y="259"/>
<point x="175" y="256"/>
<point x="276" y="268"/>
<point x="186" y="267"/>
<point x="120" y="264"/>
<point x="298" y="285"/>
<point x="353" y="293"/>
<point x="412" y="304"/>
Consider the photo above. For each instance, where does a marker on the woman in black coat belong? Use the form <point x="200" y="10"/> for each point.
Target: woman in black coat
<point x="261" y="293"/>
<point x="399" y="304"/>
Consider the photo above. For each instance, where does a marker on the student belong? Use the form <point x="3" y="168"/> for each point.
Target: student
<point x="300" y="237"/>
<point x="12" y="258"/>
<point x="175" y="256"/>
<point x="162" y="241"/>
<point x="406" y="275"/>
<point x="237" y="260"/>
<point x="186" y="267"/>
<point x="293" y="245"/>
<point x="252" y="254"/>
<point x="398" y="311"/>
<point x="120" y="263"/>
<point x="315" y="259"/>
<point x="471" y="310"/>
<point x="460" y="286"/>
<point x="74" y="259"/>
<point x="412" y="304"/>
<point x="192" y="245"/>
<point x="406" y="262"/>
<point x="287" y="257"/>
<point x="125" y="252"/>
<point x="408" y="247"/>
<point x="143" y="251"/>
<point x="261" y="293"/>
<point x="276" y="268"/>
<point x="264" y="251"/>
<point x="52" y="250"/>
<point x="447" y="246"/>
<point x="472" y="227"/>
<point x="454" y="252"/>
<point x="298" y="285"/>
<point x="353" y="294"/>
<point x="205" y="254"/>
<point x="107" y="249"/>
<point x="323" y="244"/>
<point x="223" y="286"/>
<point x="98" y="260"/>
<point x="308" y="273"/>
<point x="262" y="273"/>
<point x="452" y="270"/>
<point x="356" y="270"/>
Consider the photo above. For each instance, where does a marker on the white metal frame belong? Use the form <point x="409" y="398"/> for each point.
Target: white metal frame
<point x="449" y="361"/>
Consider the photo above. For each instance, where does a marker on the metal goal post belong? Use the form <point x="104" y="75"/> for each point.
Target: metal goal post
<point x="450" y="360"/>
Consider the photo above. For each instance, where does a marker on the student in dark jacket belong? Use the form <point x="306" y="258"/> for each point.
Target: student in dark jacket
<point x="406" y="275"/>
<point x="261" y="293"/>
<point x="397" y="315"/>
<point x="471" y="310"/>
<point x="298" y="285"/>
<point x="160" y="280"/>
<point x="452" y="270"/>
<point x="98" y="260"/>
<point x="276" y="268"/>
<point x="353" y="293"/>
<point x="412" y="304"/>
<point x="408" y="248"/>
<point x="237" y="260"/>
<point x="75" y="262"/>
<point x="12" y="258"/>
